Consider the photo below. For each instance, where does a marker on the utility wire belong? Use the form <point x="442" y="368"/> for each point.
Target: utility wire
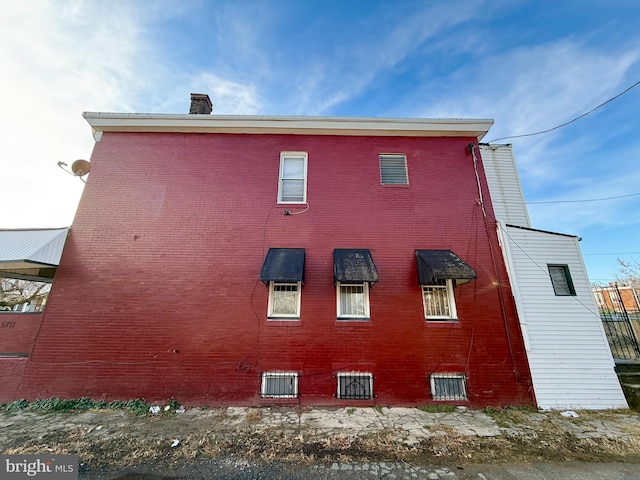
<point x="616" y="253"/>
<point x="570" y="121"/>
<point x="587" y="200"/>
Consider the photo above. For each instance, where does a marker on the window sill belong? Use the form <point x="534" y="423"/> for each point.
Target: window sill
<point x="452" y="322"/>
<point x="284" y="322"/>
<point x="349" y="322"/>
<point x="11" y="312"/>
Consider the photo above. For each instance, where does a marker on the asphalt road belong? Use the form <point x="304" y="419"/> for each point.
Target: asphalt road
<point x="229" y="468"/>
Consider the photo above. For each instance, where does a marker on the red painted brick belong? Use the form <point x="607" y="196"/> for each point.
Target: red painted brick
<point x="157" y="294"/>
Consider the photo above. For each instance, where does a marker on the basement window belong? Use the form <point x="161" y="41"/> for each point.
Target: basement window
<point x="561" y="280"/>
<point x="449" y="386"/>
<point x="279" y="385"/>
<point x="393" y="169"/>
<point x="355" y="386"/>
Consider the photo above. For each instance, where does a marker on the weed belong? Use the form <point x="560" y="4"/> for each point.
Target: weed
<point x="350" y="411"/>
<point x="437" y="408"/>
<point x="20" y="404"/>
<point x="138" y="406"/>
<point x="378" y="409"/>
<point x="491" y="411"/>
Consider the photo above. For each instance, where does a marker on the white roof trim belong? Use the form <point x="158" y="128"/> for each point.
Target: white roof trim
<point x="416" y="127"/>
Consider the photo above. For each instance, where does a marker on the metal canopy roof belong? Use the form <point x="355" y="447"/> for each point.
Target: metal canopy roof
<point x="31" y="254"/>
<point x="354" y="265"/>
<point x="442" y="265"/>
<point x="283" y="265"/>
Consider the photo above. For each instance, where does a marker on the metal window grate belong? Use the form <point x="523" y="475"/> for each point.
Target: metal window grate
<point x="284" y="300"/>
<point x="436" y="300"/>
<point x="449" y="386"/>
<point x="279" y="385"/>
<point x="355" y="386"/>
<point x="393" y="170"/>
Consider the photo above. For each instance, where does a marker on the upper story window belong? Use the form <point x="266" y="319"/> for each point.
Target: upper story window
<point x="439" y="301"/>
<point x="393" y="169"/>
<point x="283" y="272"/>
<point x="439" y="271"/>
<point x="353" y="272"/>
<point x="292" y="186"/>
<point x="353" y="301"/>
<point x="284" y="300"/>
<point x="561" y="280"/>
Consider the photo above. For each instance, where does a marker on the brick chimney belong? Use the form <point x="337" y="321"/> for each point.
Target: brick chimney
<point x="200" y="104"/>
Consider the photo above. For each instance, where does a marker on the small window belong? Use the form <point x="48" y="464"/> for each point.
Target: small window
<point x="355" y="386"/>
<point x="393" y="170"/>
<point x="353" y="300"/>
<point x="439" y="301"/>
<point x="449" y="386"/>
<point x="279" y="385"/>
<point x="284" y="300"/>
<point x="561" y="280"/>
<point x="292" y="187"/>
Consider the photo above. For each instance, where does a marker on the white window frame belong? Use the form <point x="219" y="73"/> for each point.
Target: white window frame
<point x="461" y="377"/>
<point x="365" y="300"/>
<point x="272" y="293"/>
<point x="281" y="179"/>
<point x="451" y="299"/>
<point x="266" y="376"/>
<point x="384" y="156"/>
<point x="342" y="375"/>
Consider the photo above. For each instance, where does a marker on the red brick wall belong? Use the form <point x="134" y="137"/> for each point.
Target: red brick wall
<point x="17" y="331"/>
<point x="157" y="293"/>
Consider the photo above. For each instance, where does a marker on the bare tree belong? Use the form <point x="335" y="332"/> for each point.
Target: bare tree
<point x="18" y="292"/>
<point x="629" y="273"/>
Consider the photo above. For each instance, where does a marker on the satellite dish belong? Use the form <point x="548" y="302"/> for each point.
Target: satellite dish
<point x="80" y="167"/>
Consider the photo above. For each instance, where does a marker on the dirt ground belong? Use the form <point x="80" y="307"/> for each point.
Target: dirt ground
<point x="146" y="439"/>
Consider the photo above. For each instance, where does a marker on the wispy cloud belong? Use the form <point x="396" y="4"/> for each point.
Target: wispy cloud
<point x="62" y="59"/>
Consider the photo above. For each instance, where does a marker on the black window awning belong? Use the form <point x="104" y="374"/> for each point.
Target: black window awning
<point x="442" y="265"/>
<point x="283" y="265"/>
<point x="354" y="265"/>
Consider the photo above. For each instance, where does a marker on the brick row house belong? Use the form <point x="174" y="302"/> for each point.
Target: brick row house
<point x="253" y="260"/>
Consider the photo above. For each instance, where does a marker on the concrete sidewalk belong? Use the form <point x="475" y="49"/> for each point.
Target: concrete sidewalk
<point x="319" y="433"/>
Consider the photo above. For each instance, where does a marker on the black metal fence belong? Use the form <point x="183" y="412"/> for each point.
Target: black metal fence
<point x="621" y="327"/>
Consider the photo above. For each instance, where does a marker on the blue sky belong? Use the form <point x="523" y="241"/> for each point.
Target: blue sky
<point x="529" y="65"/>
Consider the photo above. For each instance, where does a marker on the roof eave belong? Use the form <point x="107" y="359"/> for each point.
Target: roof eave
<point x="416" y="127"/>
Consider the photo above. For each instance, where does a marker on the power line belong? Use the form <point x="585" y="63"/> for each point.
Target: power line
<point x="617" y="253"/>
<point x="586" y="200"/>
<point x="570" y="121"/>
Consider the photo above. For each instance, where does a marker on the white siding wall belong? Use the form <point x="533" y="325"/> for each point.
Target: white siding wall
<point x="571" y="364"/>
<point x="504" y="184"/>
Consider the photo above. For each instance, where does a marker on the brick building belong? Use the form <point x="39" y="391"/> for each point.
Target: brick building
<point x="234" y="260"/>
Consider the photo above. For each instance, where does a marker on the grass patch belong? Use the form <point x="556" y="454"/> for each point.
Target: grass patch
<point x="437" y="408"/>
<point x="51" y="405"/>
